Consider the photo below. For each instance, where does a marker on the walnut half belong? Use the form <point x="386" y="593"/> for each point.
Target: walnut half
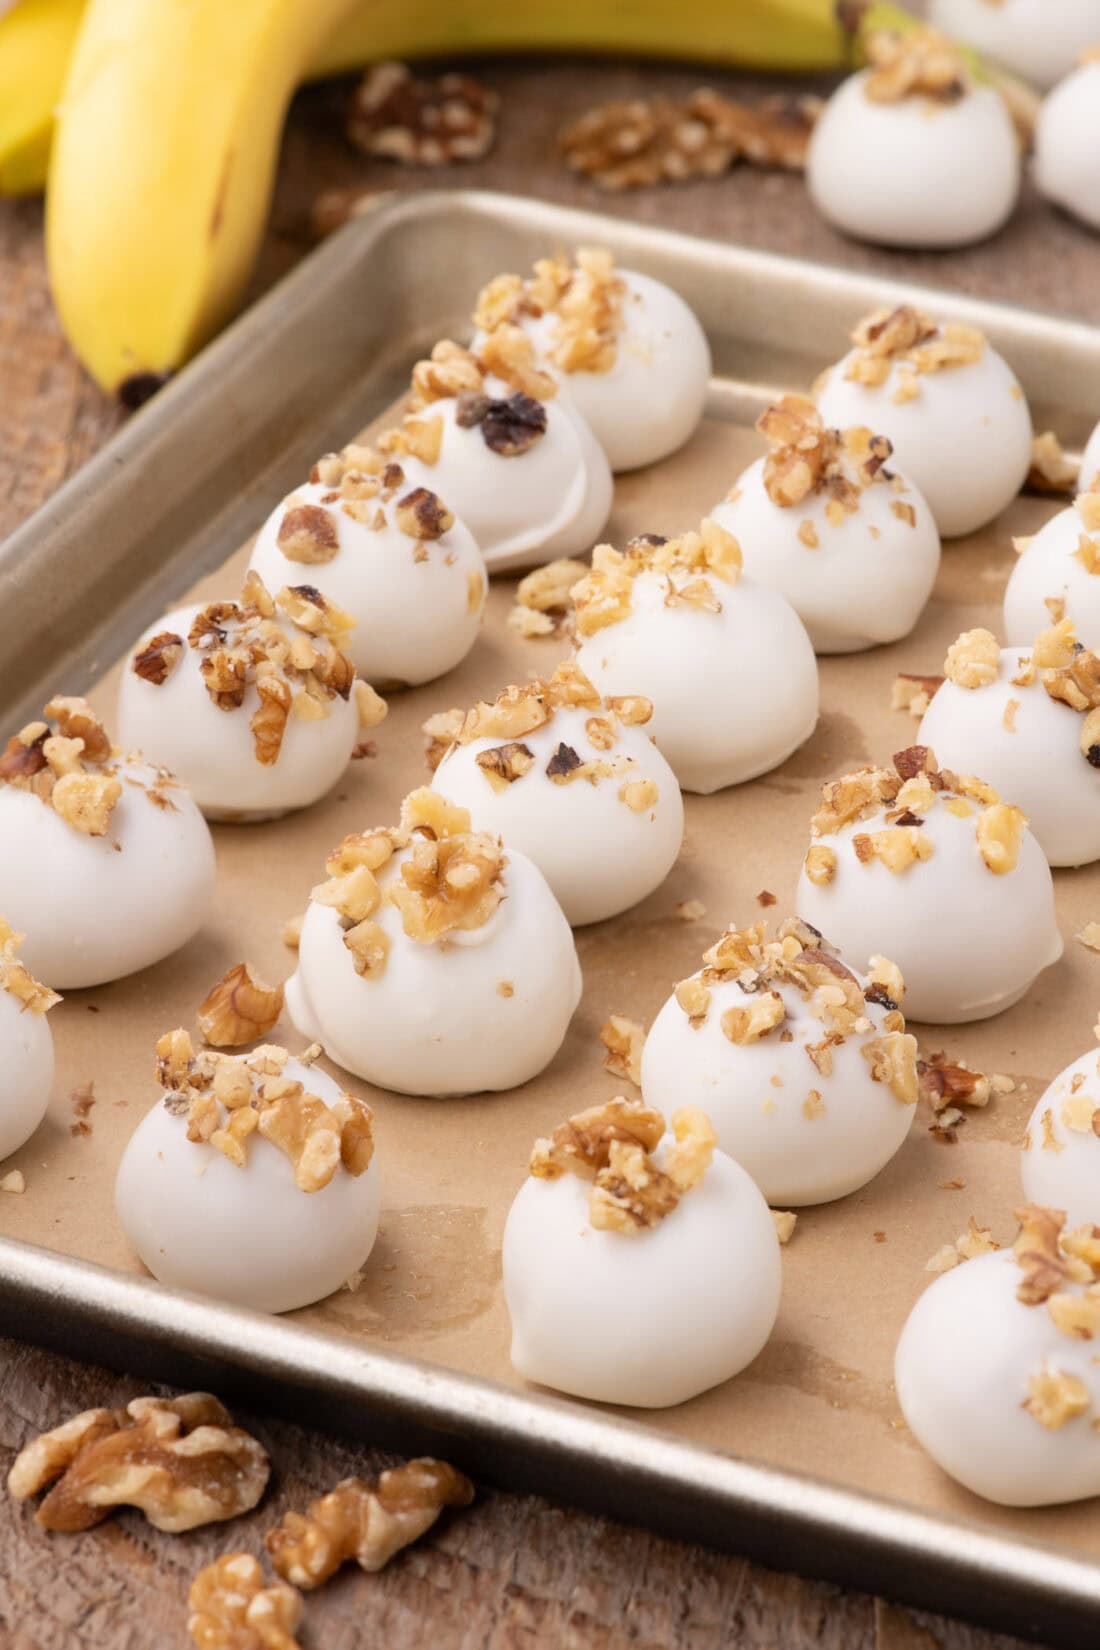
<point x="239" y="1009"/>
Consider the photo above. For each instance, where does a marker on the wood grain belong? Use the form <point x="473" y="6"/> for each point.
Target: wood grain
<point x="513" y="1571"/>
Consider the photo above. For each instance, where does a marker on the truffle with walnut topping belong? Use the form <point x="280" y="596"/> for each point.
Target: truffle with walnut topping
<point x="827" y="520"/>
<point x="393" y="556"/>
<point x="1057" y="575"/>
<point x="1029" y="720"/>
<point x="1060" y="1163"/>
<point x="26" y="1072"/>
<point x="515" y="461"/>
<point x="949" y="405"/>
<point x="254" y="703"/>
<point x="996" y="1369"/>
<point x="911" y="151"/>
<point x="805" y="1067"/>
<point x="106" y="864"/>
<point x="626" y="349"/>
<point x="575" y="783"/>
<point x="934" y="870"/>
<point x="434" y="960"/>
<point x="725" y="661"/>
<point x="253" y="1179"/>
<point x="641" y="1266"/>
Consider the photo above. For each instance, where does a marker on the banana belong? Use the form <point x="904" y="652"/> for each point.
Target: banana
<point x="36" y="37"/>
<point x="162" y="169"/>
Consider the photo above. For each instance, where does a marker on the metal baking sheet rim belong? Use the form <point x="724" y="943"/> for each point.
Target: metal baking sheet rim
<point x="522" y="1440"/>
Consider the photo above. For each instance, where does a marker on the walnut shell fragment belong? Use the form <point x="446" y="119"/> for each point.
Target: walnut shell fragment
<point x="240" y="1009"/>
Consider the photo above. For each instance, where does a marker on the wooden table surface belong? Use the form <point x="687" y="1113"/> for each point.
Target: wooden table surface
<point x="514" y="1571"/>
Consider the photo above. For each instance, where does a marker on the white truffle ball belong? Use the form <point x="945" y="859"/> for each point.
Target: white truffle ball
<point x="94" y="908"/>
<point x="26" y="1071"/>
<point x="963" y="439"/>
<point x="487" y="1010"/>
<point x="214" y="751"/>
<point x="1054" y="577"/>
<point x="1036" y="40"/>
<point x="551" y="499"/>
<point x="1060" y="1161"/>
<point x="247" y="1236"/>
<point x="647" y="1318"/>
<point x="1028" y="746"/>
<point x="734" y="691"/>
<point x="650" y="401"/>
<point x="417" y="604"/>
<point x="1067" y="136"/>
<point x="603" y="844"/>
<point x="914" y="173"/>
<point x="969" y="941"/>
<point x="855" y="583"/>
<point x="967" y="1363"/>
<point x="806" y="1117"/>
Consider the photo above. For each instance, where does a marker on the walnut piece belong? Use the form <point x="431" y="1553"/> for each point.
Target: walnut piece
<point x="916" y="63"/>
<point x="749" y="1022"/>
<point x="241" y="1008"/>
<point x="1053" y="1397"/>
<point x="367" y="1522"/>
<point x="624" y="1040"/>
<point x="156" y="661"/>
<point x="180" y="1460"/>
<point x="543" y="598"/>
<point x="1000" y="832"/>
<point x="688" y="565"/>
<point x="421" y="122"/>
<point x="1051" y="471"/>
<point x="974" y="660"/>
<point x="17" y="980"/>
<point x="233" y="1608"/>
<point x="308" y="533"/>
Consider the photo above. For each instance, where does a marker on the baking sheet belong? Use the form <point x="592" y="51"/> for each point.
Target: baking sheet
<point x="819" y="1399"/>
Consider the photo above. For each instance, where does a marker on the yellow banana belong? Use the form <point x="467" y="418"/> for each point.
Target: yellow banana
<point x="162" y="168"/>
<point x="36" y="37"/>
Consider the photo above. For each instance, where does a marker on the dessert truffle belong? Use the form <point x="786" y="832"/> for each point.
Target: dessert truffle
<point x="575" y="783"/>
<point x="725" y="661"/>
<point x="1060" y="1163"/>
<point x="253" y="1180"/>
<point x="639" y="1267"/>
<point x="806" y="1069"/>
<point x="434" y="960"/>
<point x="1067" y="136"/>
<point x="911" y="151"/>
<point x="1057" y="576"/>
<point x="106" y="864"/>
<point x="625" y="348"/>
<point x="826" y="520"/>
<point x="948" y="403"/>
<point x="996" y="1370"/>
<point x="26" y="1072"/>
<point x="1029" y="720"/>
<point x="935" y="871"/>
<point x="390" y="555"/>
<point x="1034" y="39"/>
<point x="515" y="461"/>
<point x="253" y="703"/>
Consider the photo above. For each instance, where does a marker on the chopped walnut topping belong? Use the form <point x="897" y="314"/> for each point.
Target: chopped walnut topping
<point x="974" y="660"/>
<point x="582" y="1145"/>
<point x="72" y="770"/>
<point x="905" y="338"/>
<point x="543" y="599"/>
<point x="631" y="1193"/>
<point x="233" y="1608"/>
<point x="398" y="116"/>
<point x="422" y="515"/>
<point x="749" y="1022"/>
<point x="156" y="661"/>
<point x="1051" y="471"/>
<point x="367" y="1522"/>
<point x="806" y="458"/>
<point x="307" y="533"/>
<point x="898" y="847"/>
<point x="17" y="980"/>
<point x="640" y="795"/>
<point x="180" y="1460"/>
<point x="688" y="564"/>
<point x="1053" y="1397"/>
<point x="820" y="863"/>
<point x="239" y="1009"/>
<point x="892" y="1057"/>
<point x="916" y="63"/>
<point x="502" y="765"/>
<point x="1048" y="1259"/>
<point x="694" y="998"/>
<point x="442" y="730"/>
<point x="1000" y="833"/>
<point x="624" y="1040"/>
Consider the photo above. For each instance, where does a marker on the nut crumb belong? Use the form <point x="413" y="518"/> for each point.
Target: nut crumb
<point x="785" y="1222"/>
<point x="13" y="1181"/>
<point x="691" y="910"/>
<point x="624" y="1040"/>
<point x="1051" y="471"/>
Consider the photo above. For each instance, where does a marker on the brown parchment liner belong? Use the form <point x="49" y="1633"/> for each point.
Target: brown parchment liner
<point x="819" y="1399"/>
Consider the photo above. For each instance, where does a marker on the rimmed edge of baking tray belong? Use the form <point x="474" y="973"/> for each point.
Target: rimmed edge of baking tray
<point x="166" y="500"/>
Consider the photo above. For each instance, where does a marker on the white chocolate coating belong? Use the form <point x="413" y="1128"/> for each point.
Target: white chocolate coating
<point x="969" y="943"/>
<point x="867" y="581"/>
<point x="1090" y="460"/>
<point x="599" y="856"/>
<point x="247" y="1236"/>
<point x="914" y="173"/>
<point x="26" y="1072"/>
<point x="551" y="500"/>
<point x="1037" y="762"/>
<point x="733" y="693"/>
<point x="1060" y="1162"/>
<point x="1049" y="568"/>
<point x="435" y="1022"/>
<point x="651" y="400"/>
<point x="1035" y="39"/>
<point x="213" y="751"/>
<point x="1067" y="137"/>
<point x="414" y="620"/>
<point x="94" y="908"/>
<point x="649" y="1318"/>
<point x="754" y="1094"/>
<point x="964" y="440"/>
<point x="961" y="1370"/>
